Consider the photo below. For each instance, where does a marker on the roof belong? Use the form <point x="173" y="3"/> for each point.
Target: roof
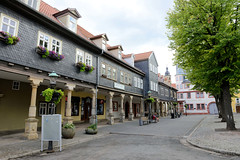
<point x="126" y="55"/>
<point x="174" y="85"/>
<point x="114" y="47"/>
<point x="142" y="56"/>
<point x="100" y="36"/>
<point x="73" y="11"/>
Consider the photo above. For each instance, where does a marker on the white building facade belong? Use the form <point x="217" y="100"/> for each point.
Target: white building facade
<point x="197" y="102"/>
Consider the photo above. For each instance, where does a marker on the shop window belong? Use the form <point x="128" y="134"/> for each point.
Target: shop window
<point x="15" y="85"/>
<point x="100" y="107"/>
<point x="75" y="101"/>
<point x="115" y="106"/>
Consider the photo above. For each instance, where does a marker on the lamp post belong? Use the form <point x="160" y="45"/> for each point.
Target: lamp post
<point x="53" y="78"/>
<point x="149" y="106"/>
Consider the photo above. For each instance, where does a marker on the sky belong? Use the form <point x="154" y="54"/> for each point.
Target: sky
<point x="138" y="25"/>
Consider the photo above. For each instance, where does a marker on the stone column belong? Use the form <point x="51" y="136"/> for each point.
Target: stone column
<point x="93" y="118"/>
<point x="122" y="114"/>
<point x="68" y="118"/>
<point x="109" y="104"/>
<point x="130" y="116"/>
<point x="31" y="122"/>
<point x="153" y="107"/>
<point x="158" y="107"/>
<point x="142" y="108"/>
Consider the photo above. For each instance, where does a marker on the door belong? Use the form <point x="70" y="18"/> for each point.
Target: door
<point x="213" y="108"/>
<point x="86" y="109"/>
<point x="126" y="109"/>
<point x="135" y="110"/>
<point x="238" y="109"/>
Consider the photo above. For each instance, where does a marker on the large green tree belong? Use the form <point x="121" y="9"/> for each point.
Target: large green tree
<point x="205" y="35"/>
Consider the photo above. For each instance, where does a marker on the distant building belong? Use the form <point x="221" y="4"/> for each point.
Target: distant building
<point x="236" y="103"/>
<point x="197" y="102"/>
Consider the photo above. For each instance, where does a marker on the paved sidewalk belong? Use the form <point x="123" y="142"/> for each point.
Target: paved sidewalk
<point x="16" y="145"/>
<point x="212" y="135"/>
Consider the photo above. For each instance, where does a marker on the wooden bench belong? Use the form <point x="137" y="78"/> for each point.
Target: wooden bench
<point x="145" y="120"/>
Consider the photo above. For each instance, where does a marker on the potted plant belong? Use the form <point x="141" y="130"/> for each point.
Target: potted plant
<point x="68" y="131"/>
<point x="81" y="66"/>
<point x="55" y="56"/>
<point x="8" y="38"/>
<point x="43" y="52"/>
<point x="92" y="129"/>
<point x="150" y="100"/>
<point x="89" y="69"/>
<point x="52" y="94"/>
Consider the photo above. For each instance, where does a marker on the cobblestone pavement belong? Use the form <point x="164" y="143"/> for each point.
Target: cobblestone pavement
<point x="212" y="135"/>
<point x="199" y="131"/>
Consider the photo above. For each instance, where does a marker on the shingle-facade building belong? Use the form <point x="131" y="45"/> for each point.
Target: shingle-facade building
<point x="113" y="85"/>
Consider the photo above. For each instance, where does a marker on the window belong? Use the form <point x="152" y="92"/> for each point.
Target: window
<point x="151" y="67"/>
<point x="176" y="78"/>
<point x="44" y="40"/>
<point x="126" y="78"/>
<point x="237" y="100"/>
<point x="9" y="25"/>
<point x="180" y="78"/>
<point x="199" y="94"/>
<point x="119" y="54"/>
<point x="129" y="79"/>
<point x="200" y="107"/>
<point x="189" y="106"/>
<point x="181" y="86"/>
<point x="156" y="87"/>
<point x="103" y="69"/>
<point x="88" y="59"/>
<point x="188" y="95"/>
<point x="177" y="86"/>
<point x="100" y="107"/>
<point x="73" y="24"/>
<point x="103" y="44"/>
<point x="109" y="72"/>
<point x="32" y="3"/>
<point x="122" y="77"/>
<point x="79" y="56"/>
<point x="115" y="106"/>
<point x="56" y="44"/>
<point x="51" y="108"/>
<point x="162" y="91"/>
<point x="114" y="74"/>
<point x="15" y="85"/>
<point x="151" y="85"/>
<point x="141" y="83"/>
<point x="166" y="93"/>
<point x="181" y="95"/>
<point x="135" y="81"/>
<point x="42" y="109"/>
<point x="49" y="42"/>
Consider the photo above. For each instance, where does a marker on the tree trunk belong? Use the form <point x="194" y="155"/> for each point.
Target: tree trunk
<point x="227" y="105"/>
<point x="218" y="106"/>
<point x="222" y="109"/>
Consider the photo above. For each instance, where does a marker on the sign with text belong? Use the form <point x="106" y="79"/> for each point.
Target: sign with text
<point x="119" y="86"/>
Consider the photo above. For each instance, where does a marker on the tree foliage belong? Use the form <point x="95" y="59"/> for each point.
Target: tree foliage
<point x="205" y="35"/>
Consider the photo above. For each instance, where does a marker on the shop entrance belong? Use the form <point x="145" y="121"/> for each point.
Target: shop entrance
<point x="126" y="109"/>
<point x="86" y="109"/>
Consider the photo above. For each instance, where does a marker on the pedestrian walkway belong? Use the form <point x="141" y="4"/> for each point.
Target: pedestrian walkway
<point x="211" y="134"/>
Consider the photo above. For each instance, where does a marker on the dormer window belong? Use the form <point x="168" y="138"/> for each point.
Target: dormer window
<point x="119" y="53"/>
<point x="32" y="3"/>
<point x="73" y="24"/>
<point x="103" y="44"/>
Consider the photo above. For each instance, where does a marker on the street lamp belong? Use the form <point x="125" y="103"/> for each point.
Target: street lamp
<point x="53" y="81"/>
<point x="149" y="106"/>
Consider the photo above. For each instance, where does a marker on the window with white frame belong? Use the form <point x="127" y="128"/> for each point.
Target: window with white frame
<point x="79" y="56"/>
<point x="56" y="44"/>
<point x="129" y="79"/>
<point x="135" y="81"/>
<point x="109" y="72"/>
<point x="51" y="108"/>
<point x="9" y="25"/>
<point x="44" y="40"/>
<point x="42" y="109"/>
<point x="15" y="85"/>
<point x="88" y="59"/>
<point x="126" y="78"/>
<point x="49" y="42"/>
<point x="114" y="74"/>
<point x="73" y="24"/>
<point x="103" y="69"/>
<point x="121" y="77"/>
<point x="119" y="54"/>
<point x="141" y="83"/>
<point x="32" y="3"/>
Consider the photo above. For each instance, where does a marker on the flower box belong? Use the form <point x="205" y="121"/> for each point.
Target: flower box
<point x="89" y="69"/>
<point x="8" y="38"/>
<point x="44" y="53"/>
<point x="83" y="67"/>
